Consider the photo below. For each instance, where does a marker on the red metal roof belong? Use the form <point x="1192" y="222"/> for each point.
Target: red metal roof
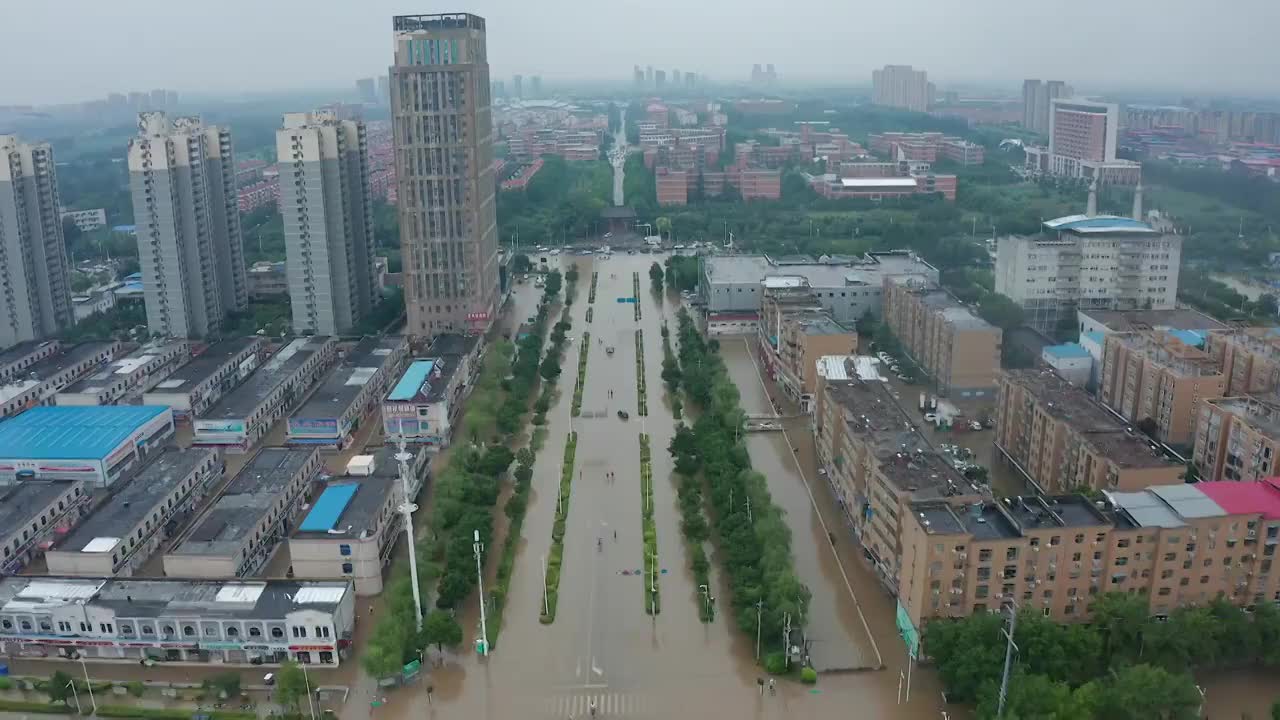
<point x="1240" y="498"/>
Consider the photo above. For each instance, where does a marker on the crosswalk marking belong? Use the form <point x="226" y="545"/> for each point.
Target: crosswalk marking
<point x="608" y="705"/>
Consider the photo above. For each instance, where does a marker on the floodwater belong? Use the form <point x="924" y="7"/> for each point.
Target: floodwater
<point x="603" y="648"/>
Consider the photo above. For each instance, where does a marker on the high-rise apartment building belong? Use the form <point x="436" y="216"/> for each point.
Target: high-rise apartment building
<point x="1156" y="377"/>
<point x="367" y="90"/>
<point x="637" y="76"/>
<point x="958" y="348"/>
<point x="443" y="129"/>
<point x="901" y="86"/>
<point x="517" y="86"/>
<point x="328" y="226"/>
<point x="535" y="86"/>
<point x="1036" y="99"/>
<point x="1082" y="143"/>
<point x="35" y="294"/>
<point x="182" y="177"/>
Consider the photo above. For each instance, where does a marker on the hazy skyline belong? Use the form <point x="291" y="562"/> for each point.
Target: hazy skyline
<point x="239" y="45"/>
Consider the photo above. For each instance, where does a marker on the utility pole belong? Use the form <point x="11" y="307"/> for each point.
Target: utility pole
<point x="759" y="608"/>
<point x="478" y="547"/>
<point x="407" y="508"/>
<point x="92" y="702"/>
<point x="306" y="680"/>
<point x="750" y="518"/>
<point x="1009" y="650"/>
<point x="546" y="601"/>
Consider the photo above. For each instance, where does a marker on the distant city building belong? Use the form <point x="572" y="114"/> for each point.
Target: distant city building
<point x="659" y="79"/>
<point x="1036" y="99"/>
<point x="86" y="220"/>
<point x="384" y="89"/>
<point x="901" y="86"/>
<point x="37" y="293"/>
<point x="637" y="76"/>
<point x="367" y="90"/>
<point x="1082" y="144"/>
<point x="765" y="75"/>
<point x="535" y="86"/>
<point x="326" y="208"/>
<point x="1088" y="262"/>
<point x="182" y="176"/>
<point x="517" y="86"/>
<point x="446" y="197"/>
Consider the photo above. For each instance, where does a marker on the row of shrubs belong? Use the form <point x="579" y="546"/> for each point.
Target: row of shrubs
<point x="591" y="291"/>
<point x="635" y="294"/>
<point x="590" y="313"/>
<point x="556" y="555"/>
<point x="642" y="390"/>
<point x="649" y="528"/>
<point x="583" y="352"/>
<point x="671" y="374"/>
<point x="754" y="540"/>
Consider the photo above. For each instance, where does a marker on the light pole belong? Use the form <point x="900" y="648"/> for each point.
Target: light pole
<point x="653" y="586"/>
<point x="75" y="695"/>
<point x="85" y="668"/>
<point x="546" y="599"/>
<point x="706" y="594"/>
<point x="306" y="680"/>
<point x="478" y="547"/>
<point x="1009" y="650"/>
<point x="407" y="508"/>
<point x="759" y="610"/>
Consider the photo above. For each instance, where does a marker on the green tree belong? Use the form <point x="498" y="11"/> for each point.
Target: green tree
<point x="1267" y="305"/>
<point x="59" y="687"/>
<point x="440" y="628"/>
<point x="550" y="368"/>
<point x="1000" y="311"/>
<point x="655" y="276"/>
<point x="867" y="324"/>
<point x="1144" y="692"/>
<point x="521" y="264"/>
<point x="291" y="685"/>
<point x="663" y="226"/>
<point x="554" y="281"/>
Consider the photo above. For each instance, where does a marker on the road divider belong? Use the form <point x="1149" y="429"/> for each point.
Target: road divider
<point x="555" y="557"/>
<point x="642" y="394"/>
<point x="584" y="349"/>
<point x="652" y="604"/>
<point x="591" y="292"/>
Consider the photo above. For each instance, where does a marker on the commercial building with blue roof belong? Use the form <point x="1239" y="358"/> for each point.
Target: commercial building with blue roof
<point x="96" y="444"/>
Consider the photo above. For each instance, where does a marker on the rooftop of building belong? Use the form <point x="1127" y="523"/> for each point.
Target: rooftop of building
<point x="1245" y="497"/>
<point x="253" y="493"/>
<point x="875" y="182"/>
<point x="22" y="350"/>
<point x="815" y="323"/>
<point x="1100" y="225"/>
<point x="45" y="368"/>
<point x="905" y="456"/>
<point x="349" y="506"/>
<point x="342" y="384"/>
<point x="135" y="499"/>
<point x="1166" y="506"/>
<point x="1066" y="351"/>
<point x="204" y="365"/>
<point x="241" y="401"/>
<point x="1262" y="412"/>
<point x="825" y="271"/>
<point x="1009" y="517"/>
<point x="20" y="502"/>
<point x="1178" y="318"/>
<point x="1071" y="404"/>
<point x="72" y="433"/>
<point x="453" y="344"/>
<point x="97" y="380"/>
<point x="168" y="597"/>
<point x="1168" y="351"/>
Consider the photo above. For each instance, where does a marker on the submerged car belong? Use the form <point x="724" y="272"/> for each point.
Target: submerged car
<point x="623" y="415"/>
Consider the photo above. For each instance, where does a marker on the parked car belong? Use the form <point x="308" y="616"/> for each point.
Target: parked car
<point x="623" y="415"/>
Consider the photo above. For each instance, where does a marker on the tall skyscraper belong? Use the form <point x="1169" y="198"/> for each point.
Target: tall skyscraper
<point x="443" y="130"/>
<point x="637" y="76"/>
<point x="182" y="176"/>
<point x="367" y="90"/>
<point x="36" y="297"/>
<point x="517" y="86"/>
<point x="1037" y="98"/>
<point x="328" y="221"/>
<point x="901" y="86"/>
<point x="659" y="79"/>
<point x="648" y="75"/>
<point x="384" y="89"/>
<point x="535" y="86"/>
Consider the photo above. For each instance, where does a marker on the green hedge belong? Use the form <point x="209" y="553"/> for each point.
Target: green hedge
<point x="36" y="707"/>
<point x="583" y="352"/>
<point x="642" y="394"/>
<point x="652" y="605"/>
<point x="547" y="614"/>
<point x="635" y="294"/>
<point x="591" y="293"/>
<point x="131" y="711"/>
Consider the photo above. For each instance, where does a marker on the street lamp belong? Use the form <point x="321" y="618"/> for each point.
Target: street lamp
<point x="85" y="668"/>
<point x="76" y="695"/>
<point x="478" y="547"/>
<point x="706" y="594"/>
<point x="407" y="508"/>
<point x="306" y="680"/>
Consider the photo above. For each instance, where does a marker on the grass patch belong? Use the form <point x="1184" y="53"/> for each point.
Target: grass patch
<point x="39" y="707"/>
<point x="556" y="556"/>
<point x="652" y="604"/>
<point x="132" y="711"/>
<point x="583" y="352"/>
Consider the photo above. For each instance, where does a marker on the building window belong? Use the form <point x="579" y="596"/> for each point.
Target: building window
<point x="6" y="624"/>
<point x="233" y="631"/>
<point x="347" y="568"/>
<point x="188" y="630"/>
<point x="255" y="631"/>
<point x="211" y="631"/>
<point x="299" y="631"/>
<point x="277" y="632"/>
<point x="344" y="550"/>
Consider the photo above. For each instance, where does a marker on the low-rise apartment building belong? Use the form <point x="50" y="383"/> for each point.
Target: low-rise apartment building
<point x="33" y="515"/>
<point x="346" y="395"/>
<point x="354" y="523"/>
<point x="121" y="532"/>
<point x="15" y="360"/>
<point x="1174" y="545"/>
<point x="805" y="338"/>
<point x="1062" y="440"/>
<point x="1250" y="359"/>
<point x="213" y="372"/>
<point x="245" y="414"/>
<point x="423" y="404"/>
<point x="219" y="622"/>
<point x="41" y="379"/>
<point x="1238" y="438"/>
<point x="875" y="459"/>
<point x="1156" y="377"/>
<point x="958" y="348"/>
<point x="130" y="374"/>
<point x="241" y="530"/>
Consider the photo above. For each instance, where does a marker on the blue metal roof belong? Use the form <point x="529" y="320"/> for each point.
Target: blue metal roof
<point x="1095" y="336"/>
<point x="1190" y="337"/>
<point x="72" y="433"/>
<point x="1099" y="224"/>
<point x="412" y="380"/>
<point x="328" y="508"/>
<point x="1067" y="350"/>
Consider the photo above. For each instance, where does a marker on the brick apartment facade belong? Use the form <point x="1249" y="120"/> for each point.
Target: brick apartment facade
<point x="961" y="350"/>
<point x="1157" y="376"/>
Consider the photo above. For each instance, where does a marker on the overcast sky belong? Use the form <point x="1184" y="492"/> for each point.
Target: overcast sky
<point x="67" y="50"/>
